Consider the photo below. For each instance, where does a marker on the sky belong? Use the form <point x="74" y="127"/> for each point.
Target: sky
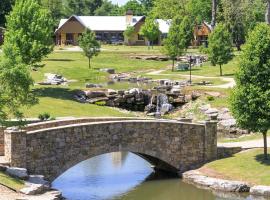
<point x="119" y="2"/>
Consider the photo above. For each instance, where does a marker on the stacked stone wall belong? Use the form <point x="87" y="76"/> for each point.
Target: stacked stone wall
<point x="183" y="146"/>
<point x="2" y="141"/>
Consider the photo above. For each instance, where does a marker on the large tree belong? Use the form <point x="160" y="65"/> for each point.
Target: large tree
<point x="15" y="88"/>
<point x="29" y="33"/>
<point x="220" y="48"/>
<point x="150" y="30"/>
<point x="267" y="14"/>
<point x="179" y="38"/>
<point x="214" y="13"/>
<point x="82" y="7"/>
<point x="199" y="10"/>
<point x="89" y="45"/>
<point x="55" y="7"/>
<point x="168" y="9"/>
<point x="5" y="8"/>
<point x="250" y="100"/>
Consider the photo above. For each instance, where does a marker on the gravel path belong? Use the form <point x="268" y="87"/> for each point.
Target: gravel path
<point x="246" y="144"/>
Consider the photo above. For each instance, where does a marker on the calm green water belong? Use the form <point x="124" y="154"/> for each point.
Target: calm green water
<point x="125" y="176"/>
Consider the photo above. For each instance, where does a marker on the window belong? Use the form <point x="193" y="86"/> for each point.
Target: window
<point x="140" y="37"/>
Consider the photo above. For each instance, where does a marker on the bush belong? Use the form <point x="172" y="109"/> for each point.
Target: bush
<point x="210" y="98"/>
<point x="44" y="116"/>
<point x="100" y="103"/>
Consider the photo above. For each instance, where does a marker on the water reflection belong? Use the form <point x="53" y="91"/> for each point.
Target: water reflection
<point x="121" y="176"/>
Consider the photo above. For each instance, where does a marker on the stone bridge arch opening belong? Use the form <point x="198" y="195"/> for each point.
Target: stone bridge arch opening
<point x="171" y="146"/>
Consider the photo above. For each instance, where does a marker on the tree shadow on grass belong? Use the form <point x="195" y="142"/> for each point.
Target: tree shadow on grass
<point x="260" y="159"/>
<point x="58" y="59"/>
<point x="57" y="93"/>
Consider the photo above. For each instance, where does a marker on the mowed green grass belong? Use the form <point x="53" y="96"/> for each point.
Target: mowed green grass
<point x="207" y="69"/>
<point x="248" y="166"/>
<point x="59" y="100"/>
<point x="10" y="182"/>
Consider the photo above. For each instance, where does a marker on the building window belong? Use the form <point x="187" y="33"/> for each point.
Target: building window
<point x="140" y="37"/>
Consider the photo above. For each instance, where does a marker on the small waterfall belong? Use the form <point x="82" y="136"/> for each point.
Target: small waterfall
<point x="163" y="105"/>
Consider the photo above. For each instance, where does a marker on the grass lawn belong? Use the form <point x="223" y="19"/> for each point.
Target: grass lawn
<point x="59" y="101"/>
<point x="207" y="69"/>
<point x="247" y="166"/>
<point x="10" y="182"/>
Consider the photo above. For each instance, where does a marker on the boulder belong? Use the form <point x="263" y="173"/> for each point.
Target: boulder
<point x="95" y="94"/>
<point x="16" y="172"/>
<point x="228" y="123"/>
<point x="93" y="85"/>
<point x="211" y="111"/>
<point x="38" y="179"/>
<point x="213" y="94"/>
<point x="34" y="189"/>
<point x="204" y="108"/>
<point x="108" y="70"/>
<point x="260" y="190"/>
<point x="111" y="92"/>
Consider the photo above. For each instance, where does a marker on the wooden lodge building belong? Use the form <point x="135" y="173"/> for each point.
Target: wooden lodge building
<point x="111" y="29"/>
<point x="106" y="28"/>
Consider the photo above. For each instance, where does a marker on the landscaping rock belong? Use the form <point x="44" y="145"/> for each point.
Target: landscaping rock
<point x="204" y="108"/>
<point x="93" y="85"/>
<point x="20" y="173"/>
<point x="211" y="111"/>
<point x="260" y="190"/>
<point x="111" y="92"/>
<point x="213" y="94"/>
<point x="95" y="94"/>
<point x="34" y="189"/>
<point x="38" y="179"/>
<point x="108" y="70"/>
<point x="3" y="168"/>
<point x="227" y="124"/>
<point x="197" y="178"/>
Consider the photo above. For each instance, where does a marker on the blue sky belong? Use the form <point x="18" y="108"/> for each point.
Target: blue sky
<point x="120" y="2"/>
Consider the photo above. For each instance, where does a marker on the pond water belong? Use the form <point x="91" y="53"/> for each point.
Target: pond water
<point x="125" y="176"/>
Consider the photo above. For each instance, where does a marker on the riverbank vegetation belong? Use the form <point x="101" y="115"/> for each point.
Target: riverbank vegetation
<point x="12" y="183"/>
<point x="248" y="166"/>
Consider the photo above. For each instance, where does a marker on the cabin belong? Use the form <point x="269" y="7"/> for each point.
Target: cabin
<point x="2" y="31"/>
<point x="201" y="34"/>
<point x="108" y="29"/>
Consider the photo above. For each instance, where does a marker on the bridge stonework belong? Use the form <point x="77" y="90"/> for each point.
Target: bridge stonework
<point x="168" y="145"/>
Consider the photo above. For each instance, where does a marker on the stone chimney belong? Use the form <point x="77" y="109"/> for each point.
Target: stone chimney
<point x="129" y="16"/>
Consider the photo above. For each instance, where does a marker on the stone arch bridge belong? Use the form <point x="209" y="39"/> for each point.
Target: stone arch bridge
<point x="51" y="148"/>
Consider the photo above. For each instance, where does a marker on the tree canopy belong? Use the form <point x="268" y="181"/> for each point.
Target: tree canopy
<point x="150" y="29"/>
<point x="29" y="32"/>
<point x="250" y="100"/>
<point x="220" y="48"/>
<point x="89" y="45"/>
<point x="179" y="37"/>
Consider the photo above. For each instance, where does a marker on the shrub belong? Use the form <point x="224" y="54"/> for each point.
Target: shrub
<point x="44" y="116"/>
<point x="100" y="103"/>
<point x="210" y="98"/>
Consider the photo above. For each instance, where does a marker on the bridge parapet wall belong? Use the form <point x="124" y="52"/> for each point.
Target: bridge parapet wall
<point x="64" y="122"/>
<point x="51" y="151"/>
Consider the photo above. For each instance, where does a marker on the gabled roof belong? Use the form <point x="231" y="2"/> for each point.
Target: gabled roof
<point x="103" y="23"/>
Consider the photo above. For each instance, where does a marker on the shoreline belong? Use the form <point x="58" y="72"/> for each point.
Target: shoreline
<point x="227" y="187"/>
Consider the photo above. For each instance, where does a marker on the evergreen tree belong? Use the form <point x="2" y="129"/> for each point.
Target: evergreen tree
<point x="220" y="49"/>
<point x="250" y="100"/>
